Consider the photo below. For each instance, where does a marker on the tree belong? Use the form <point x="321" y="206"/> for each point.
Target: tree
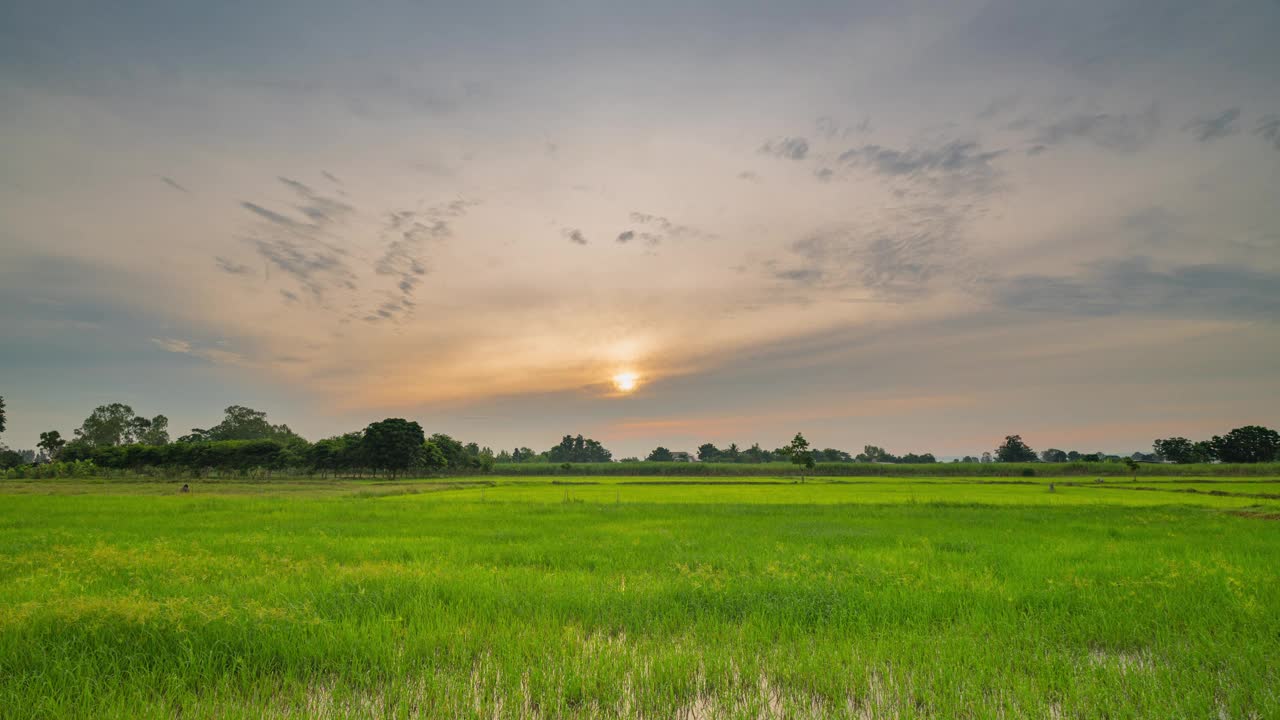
<point x="873" y="453"/>
<point x="430" y="458"/>
<point x="1132" y="465"/>
<point x="394" y="445"/>
<point x="708" y="452"/>
<point x="1248" y="444"/>
<point x="731" y="453"/>
<point x="242" y="423"/>
<point x="107" y="426"/>
<point x="150" y="432"/>
<point x="1180" y="450"/>
<point x="798" y="451"/>
<point x="1014" y="450"/>
<point x="1053" y="455"/>
<point x="9" y="458"/>
<point x="659" y="454"/>
<point x="579" y="449"/>
<point x="51" y="443"/>
<point x="2" y="416"/>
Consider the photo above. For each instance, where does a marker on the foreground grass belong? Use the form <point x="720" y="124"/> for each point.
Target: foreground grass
<point x="528" y="599"/>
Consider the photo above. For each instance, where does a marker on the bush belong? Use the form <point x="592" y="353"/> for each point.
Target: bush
<point x="1028" y="472"/>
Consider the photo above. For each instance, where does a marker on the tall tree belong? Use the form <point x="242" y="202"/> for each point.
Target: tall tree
<point x="2" y="416"/>
<point x="243" y="423"/>
<point x="393" y="445"/>
<point x="1248" y="444"/>
<point x="1014" y="450"/>
<point x="798" y="451"/>
<point x="51" y="443"/>
<point x="106" y="426"/>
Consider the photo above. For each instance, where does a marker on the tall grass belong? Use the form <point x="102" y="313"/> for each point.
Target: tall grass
<point x="929" y="600"/>
<point x="784" y="469"/>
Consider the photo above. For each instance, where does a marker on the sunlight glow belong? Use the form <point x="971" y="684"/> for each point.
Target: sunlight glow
<point x="625" y="382"/>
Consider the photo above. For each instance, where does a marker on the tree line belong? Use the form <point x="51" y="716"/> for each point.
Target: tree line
<point x="114" y="437"/>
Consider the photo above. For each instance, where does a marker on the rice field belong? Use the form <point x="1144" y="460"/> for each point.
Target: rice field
<point x="640" y="598"/>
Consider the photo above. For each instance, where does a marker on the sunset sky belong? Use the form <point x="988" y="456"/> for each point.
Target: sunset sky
<point x="920" y="225"/>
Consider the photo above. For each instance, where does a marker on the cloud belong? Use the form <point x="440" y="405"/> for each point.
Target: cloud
<point x="896" y="258"/>
<point x="174" y="184"/>
<point x="575" y="236"/>
<point x="217" y="356"/>
<point x="1269" y="129"/>
<point x="1110" y="131"/>
<point x="407" y="235"/>
<point x="824" y="174"/>
<point x="272" y="216"/>
<point x="748" y="176"/>
<point x="1133" y="285"/>
<point x="662" y="228"/>
<point x="231" y="267"/>
<point x="1212" y="128"/>
<point x="172" y="345"/>
<point x="330" y="177"/>
<point x="952" y="167"/>
<point x="794" y="148"/>
<point x="626" y="236"/>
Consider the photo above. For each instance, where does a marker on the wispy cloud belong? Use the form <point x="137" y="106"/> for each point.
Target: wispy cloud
<point x="794" y="148"/>
<point x="1215" y="127"/>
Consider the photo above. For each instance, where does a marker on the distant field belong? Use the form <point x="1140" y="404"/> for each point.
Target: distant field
<point x="624" y="597"/>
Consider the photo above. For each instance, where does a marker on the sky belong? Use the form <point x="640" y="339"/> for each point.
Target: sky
<point x="919" y="225"/>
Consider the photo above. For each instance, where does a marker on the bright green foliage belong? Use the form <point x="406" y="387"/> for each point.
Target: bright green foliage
<point x="393" y="445"/>
<point x="430" y="599"/>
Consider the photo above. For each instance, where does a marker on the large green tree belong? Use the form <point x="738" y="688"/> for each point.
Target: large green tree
<point x="1249" y="444"/>
<point x="107" y="425"/>
<point x="392" y="445"/>
<point x="243" y="423"/>
<point x="1014" y="450"/>
<point x="51" y="443"/>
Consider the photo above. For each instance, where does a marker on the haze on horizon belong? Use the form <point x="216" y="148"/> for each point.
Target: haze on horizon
<point x="918" y="225"/>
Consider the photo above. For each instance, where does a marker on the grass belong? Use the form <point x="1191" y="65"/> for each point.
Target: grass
<point x="511" y="597"/>
<point x="855" y="469"/>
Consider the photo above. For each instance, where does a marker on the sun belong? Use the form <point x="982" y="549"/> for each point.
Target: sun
<point x="625" y="382"/>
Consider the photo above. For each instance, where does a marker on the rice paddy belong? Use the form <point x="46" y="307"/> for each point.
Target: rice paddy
<point x="640" y="598"/>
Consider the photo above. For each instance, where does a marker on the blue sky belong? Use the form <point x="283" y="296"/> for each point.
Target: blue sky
<point x="918" y="225"/>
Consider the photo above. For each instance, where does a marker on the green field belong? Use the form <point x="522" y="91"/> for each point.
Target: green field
<point x="639" y="597"/>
